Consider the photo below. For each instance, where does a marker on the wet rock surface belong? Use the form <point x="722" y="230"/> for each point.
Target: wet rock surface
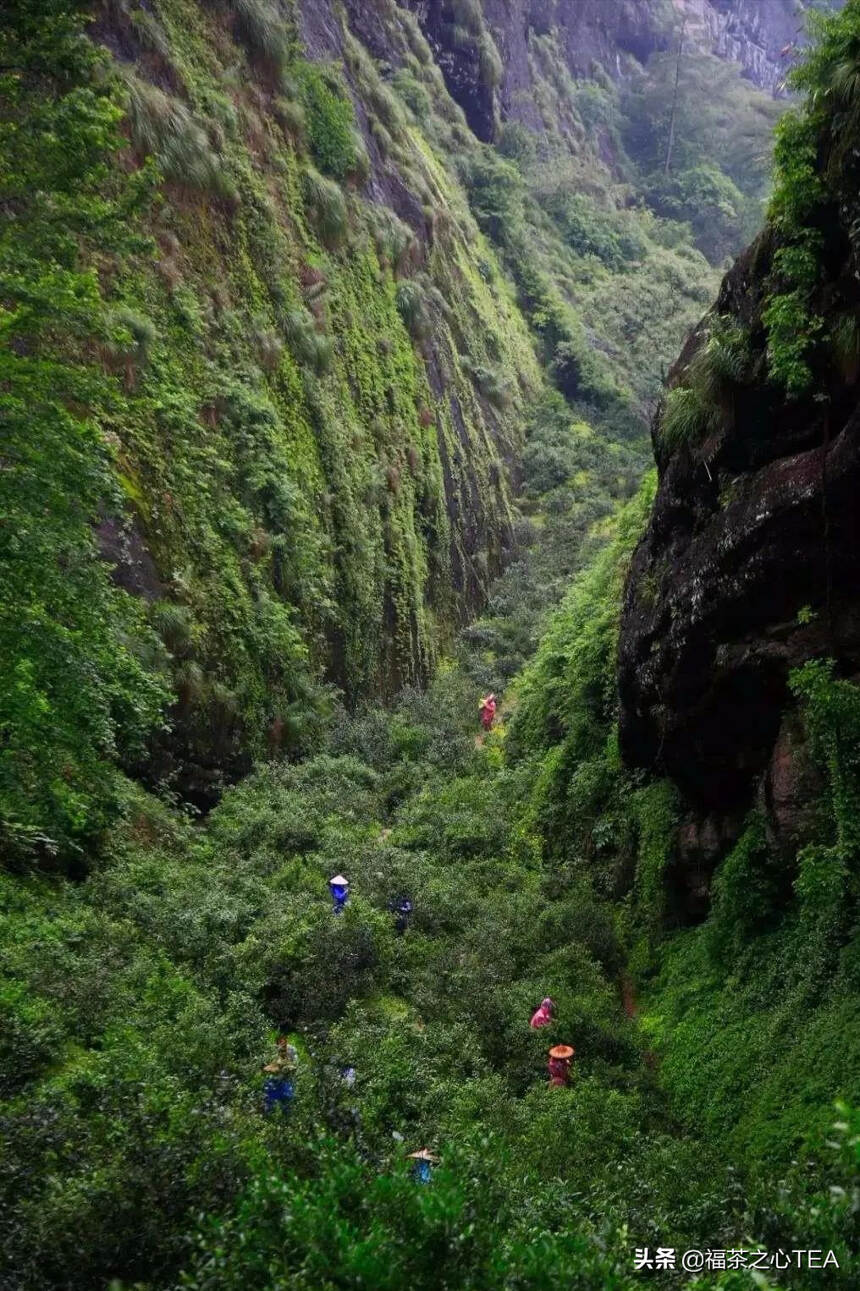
<point x="750" y="566"/>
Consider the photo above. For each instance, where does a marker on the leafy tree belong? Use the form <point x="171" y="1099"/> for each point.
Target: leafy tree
<point x="708" y="201"/>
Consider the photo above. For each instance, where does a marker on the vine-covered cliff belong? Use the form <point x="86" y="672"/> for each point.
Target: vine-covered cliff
<point x="749" y="568"/>
<point x="292" y="364"/>
<point x="275" y="324"/>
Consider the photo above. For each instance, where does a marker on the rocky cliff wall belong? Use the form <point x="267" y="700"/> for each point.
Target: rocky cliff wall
<point x="761" y="36"/>
<point x="750" y="565"/>
<point x="320" y="376"/>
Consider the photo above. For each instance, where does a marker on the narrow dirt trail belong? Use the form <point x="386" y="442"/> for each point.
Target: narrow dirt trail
<point x="631" y="1011"/>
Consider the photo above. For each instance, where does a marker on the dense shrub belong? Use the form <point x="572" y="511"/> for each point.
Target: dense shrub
<point x="330" y="120"/>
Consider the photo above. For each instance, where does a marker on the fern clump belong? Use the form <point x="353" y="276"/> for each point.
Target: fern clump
<point x="490" y="62"/>
<point x="151" y="34"/>
<point x="269" y="347"/>
<point x="258" y="26"/>
<point x="308" y="346"/>
<point x="413" y="94"/>
<point x="412" y="307"/>
<point x="326" y="206"/>
<point x="393" y="238"/>
<point x="703" y="403"/>
<point x="131" y="335"/>
<point x="174" y="624"/>
<point x="685" y="417"/>
<point x="164" y="128"/>
<point x="468" y="14"/>
<point x="291" y="118"/>
<point x="493" y="385"/>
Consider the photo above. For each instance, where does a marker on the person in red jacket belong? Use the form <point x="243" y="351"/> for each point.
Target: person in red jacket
<point x="544" y="1015"/>
<point x="559" y="1064"/>
<point x="488" y="710"/>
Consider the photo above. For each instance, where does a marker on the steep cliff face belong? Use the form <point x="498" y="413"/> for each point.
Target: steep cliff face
<point x="751" y="562"/>
<point x="293" y="384"/>
<point x="296" y="318"/>
<point x="761" y="36"/>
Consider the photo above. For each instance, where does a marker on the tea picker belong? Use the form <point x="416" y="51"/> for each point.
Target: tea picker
<point x="339" y="888"/>
<point x="543" y="1016"/>
<point x="423" y="1163"/>
<point x="560" y="1056"/>
<point x="280" y="1087"/>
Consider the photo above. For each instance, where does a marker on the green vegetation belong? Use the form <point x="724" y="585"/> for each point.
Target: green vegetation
<point x="813" y="183"/>
<point x="285" y="419"/>
<point x="330" y="122"/>
<point x="83" y="672"/>
<point x="139" y="1006"/>
<point x="696" y="411"/>
<point x="716" y="175"/>
<point x="225" y="377"/>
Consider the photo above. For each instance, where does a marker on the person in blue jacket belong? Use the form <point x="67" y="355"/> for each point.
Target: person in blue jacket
<point x="423" y="1163"/>
<point x="339" y="888"/>
<point x="280" y="1086"/>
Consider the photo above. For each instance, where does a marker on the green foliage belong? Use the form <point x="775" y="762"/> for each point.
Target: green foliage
<point x="241" y="405"/>
<point x="774" y="959"/>
<point x="412" y="307"/>
<point x="306" y="343"/>
<point x="83" y="680"/>
<point x="361" y="1229"/>
<point x="330" y="119"/>
<point x="568" y="692"/>
<point x="709" y="201"/>
<point x="719" y="168"/>
<point x="656" y="809"/>
<point x="489" y="61"/>
<point x="702" y="405"/>
<point x="812" y="174"/>
<point x="591" y="231"/>
<point x="162" y="126"/>
<point x="597" y="276"/>
<point x="265" y="418"/>
<point x="495" y="191"/>
<point x="798" y="194"/>
<point x="413" y="94"/>
<point x="831" y="710"/>
<point x="208" y="934"/>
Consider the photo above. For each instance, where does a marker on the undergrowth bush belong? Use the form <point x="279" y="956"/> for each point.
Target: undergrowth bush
<point x="330" y="119"/>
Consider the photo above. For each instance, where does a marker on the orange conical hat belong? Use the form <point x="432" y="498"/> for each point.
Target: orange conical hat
<point x="561" y="1051"/>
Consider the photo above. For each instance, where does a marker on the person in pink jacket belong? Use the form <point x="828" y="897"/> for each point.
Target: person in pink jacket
<point x="488" y="710"/>
<point x="544" y="1015"/>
